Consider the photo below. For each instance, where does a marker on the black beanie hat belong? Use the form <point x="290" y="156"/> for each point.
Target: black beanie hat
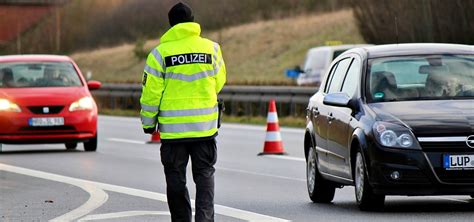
<point x="180" y="13"/>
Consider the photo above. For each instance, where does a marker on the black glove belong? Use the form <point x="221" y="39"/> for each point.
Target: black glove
<point x="149" y="130"/>
<point x="221" y="107"/>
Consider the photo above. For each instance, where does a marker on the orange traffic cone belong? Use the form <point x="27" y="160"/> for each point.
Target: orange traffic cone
<point x="155" y="137"/>
<point x="273" y="143"/>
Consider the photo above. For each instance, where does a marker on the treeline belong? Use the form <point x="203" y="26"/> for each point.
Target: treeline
<point x="391" y="21"/>
<point x="86" y="24"/>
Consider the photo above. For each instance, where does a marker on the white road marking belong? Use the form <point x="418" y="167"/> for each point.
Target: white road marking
<point x="219" y="209"/>
<point x="124" y="214"/>
<point x="126" y="141"/>
<point x="285" y="157"/>
<point x="260" y="174"/>
<point x="97" y="196"/>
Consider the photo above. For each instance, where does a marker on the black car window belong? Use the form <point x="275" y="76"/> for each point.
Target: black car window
<point x="338" y="76"/>
<point x="424" y="77"/>
<point x="329" y="76"/>
<point x="352" y="78"/>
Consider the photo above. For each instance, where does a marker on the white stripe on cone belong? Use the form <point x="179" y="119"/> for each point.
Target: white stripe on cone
<point x="272" y="117"/>
<point x="273" y="137"/>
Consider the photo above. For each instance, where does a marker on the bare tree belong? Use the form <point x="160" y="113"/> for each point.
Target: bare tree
<point x="391" y="21"/>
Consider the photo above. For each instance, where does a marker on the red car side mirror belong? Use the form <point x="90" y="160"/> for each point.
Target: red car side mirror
<point x="93" y="85"/>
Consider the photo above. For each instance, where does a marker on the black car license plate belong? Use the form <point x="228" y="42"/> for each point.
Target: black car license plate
<point x="458" y="162"/>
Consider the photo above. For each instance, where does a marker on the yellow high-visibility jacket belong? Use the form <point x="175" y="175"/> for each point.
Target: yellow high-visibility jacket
<point x="181" y="80"/>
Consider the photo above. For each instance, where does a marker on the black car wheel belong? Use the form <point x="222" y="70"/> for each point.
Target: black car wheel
<point x="71" y="146"/>
<point x="319" y="189"/>
<point x="366" y="199"/>
<point x="91" y="145"/>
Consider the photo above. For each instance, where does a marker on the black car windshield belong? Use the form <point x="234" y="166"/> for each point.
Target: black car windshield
<point x="427" y="77"/>
<point x="38" y="74"/>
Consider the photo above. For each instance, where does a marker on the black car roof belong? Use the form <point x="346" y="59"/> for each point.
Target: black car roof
<point x="416" y="49"/>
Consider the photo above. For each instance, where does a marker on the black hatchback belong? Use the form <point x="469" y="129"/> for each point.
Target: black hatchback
<point x="393" y="120"/>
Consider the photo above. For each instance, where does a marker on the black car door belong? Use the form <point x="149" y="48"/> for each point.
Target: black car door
<point x="317" y="111"/>
<point x="325" y="151"/>
<point x="339" y="123"/>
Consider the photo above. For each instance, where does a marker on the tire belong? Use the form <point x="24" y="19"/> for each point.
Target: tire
<point x="71" y="146"/>
<point x="366" y="199"/>
<point x="320" y="190"/>
<point x="472" y="195"/>
<point x="91" y="145"/>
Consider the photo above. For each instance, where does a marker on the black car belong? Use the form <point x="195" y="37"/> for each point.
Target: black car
<point x="393" y="120"/>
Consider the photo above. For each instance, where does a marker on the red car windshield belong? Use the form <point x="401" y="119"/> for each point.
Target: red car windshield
<point x="38" y="74"/>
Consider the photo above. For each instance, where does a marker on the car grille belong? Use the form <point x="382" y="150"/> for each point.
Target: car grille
<point x="452" y="147"/>
<point x="41" y="109"/>
<point x="455" y="176"/>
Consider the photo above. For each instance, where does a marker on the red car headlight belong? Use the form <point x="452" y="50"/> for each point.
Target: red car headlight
<point x="86" y="103"/>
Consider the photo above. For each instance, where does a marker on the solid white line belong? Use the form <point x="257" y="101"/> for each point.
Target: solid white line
<point x="260" y="174"/>
<point x="219" y="209"/>
<point x="126" y="141"/>
<point x="285" y="157"/>
<point x="97" y="197"/>
<point x="123" y="214"/>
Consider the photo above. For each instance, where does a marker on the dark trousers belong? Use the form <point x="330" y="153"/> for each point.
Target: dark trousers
<point x="174" y="157"/>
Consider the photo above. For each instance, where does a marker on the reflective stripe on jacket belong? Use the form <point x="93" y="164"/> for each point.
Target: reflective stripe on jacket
<point x="181" y="80"/>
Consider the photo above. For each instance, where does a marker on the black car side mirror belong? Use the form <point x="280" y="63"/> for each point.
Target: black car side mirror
<point x="339" y="99"/>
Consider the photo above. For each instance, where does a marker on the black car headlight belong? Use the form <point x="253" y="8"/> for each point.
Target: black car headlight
<point x="394" y="136"/>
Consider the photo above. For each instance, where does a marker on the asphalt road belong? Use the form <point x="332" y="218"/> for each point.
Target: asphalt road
<point x="124" y="181"/>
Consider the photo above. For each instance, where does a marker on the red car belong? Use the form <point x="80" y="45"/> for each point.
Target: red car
<point x="45" y="99"/>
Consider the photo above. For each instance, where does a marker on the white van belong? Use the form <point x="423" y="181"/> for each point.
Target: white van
<point x="317" y="62"/>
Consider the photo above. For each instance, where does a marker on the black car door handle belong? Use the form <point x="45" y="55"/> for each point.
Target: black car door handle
<point x="330" y="117"/>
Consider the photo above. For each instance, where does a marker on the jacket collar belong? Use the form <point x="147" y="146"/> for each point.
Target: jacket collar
<point x="181" y="31"/>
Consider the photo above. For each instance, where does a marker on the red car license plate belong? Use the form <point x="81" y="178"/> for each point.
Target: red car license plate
<point x="47" y="121"/>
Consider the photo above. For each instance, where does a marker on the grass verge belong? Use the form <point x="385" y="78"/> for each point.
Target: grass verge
<point x="255" y="53"/>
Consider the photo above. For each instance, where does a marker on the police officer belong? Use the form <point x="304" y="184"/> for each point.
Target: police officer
<point x="182" y="78"/>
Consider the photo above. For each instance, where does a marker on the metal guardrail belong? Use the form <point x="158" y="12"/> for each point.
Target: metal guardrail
<point x="239" y="100"/>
